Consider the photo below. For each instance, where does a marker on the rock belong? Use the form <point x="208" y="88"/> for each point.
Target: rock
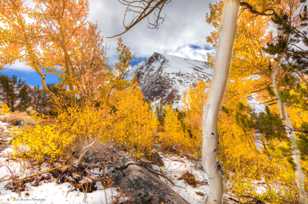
<point x="142" y="186"/>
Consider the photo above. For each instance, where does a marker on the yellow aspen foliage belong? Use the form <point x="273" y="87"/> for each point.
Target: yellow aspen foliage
<point x="117" y="81"/>
<point x="194" y="100"/>
<point x="298" y="116"/>
<point x="72" y="44"/>
<point x="85" y="123"/>
<point x="50" y="141"/>
<point x="41" y="142"/>
<point x="245" y="164"/>
<point x="19" y="38"/>
<point x="130" y="123"/>
<point x="121" y="116"/>
<point x="173" y="136"/>
<point x="182" y="129"/>
<point x="54" y="37"/>
<point x="251" y="37"/>
<point x="4" y="108"/>
<point x="134" y="123"/>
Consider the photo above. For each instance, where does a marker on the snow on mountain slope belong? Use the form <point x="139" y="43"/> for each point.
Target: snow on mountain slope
<point x="166" y="78"/>
<point x="192" y="51"/>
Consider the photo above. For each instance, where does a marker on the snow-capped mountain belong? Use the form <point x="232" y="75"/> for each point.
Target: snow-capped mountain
<point x="192" y="51"/>
<point x="166" y="78"/>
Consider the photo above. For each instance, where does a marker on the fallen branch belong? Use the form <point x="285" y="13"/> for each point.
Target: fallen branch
<point x="30" y="177"/>
<point x="84" y="152"/>
<point x="142" y="185"/>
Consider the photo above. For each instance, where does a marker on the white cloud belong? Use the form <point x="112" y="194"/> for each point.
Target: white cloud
<point x="184" y="24"/>
<point x="20" y="66"/>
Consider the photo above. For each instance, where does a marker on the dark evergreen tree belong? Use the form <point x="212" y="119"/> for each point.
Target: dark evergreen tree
<point x="15" y="93"/>
<point x="19" y="96"/>
<point x="290" y="50"/>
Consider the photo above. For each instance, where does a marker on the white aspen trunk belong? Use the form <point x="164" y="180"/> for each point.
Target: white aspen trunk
<point x="211" y="109"/>
<point x="296" y="155"/>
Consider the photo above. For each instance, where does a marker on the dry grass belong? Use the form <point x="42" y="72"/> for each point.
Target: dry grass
<point x="17" y="118"/>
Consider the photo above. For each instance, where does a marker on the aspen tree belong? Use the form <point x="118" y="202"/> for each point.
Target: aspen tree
<point x="211" y="109"/>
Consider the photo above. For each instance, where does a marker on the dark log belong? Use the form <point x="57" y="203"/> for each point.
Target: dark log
<point x="136" y="179"/>
<point x="143" y="186"/>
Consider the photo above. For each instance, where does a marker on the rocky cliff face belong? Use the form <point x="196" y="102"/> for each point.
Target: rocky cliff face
<point x="166" y="78"/>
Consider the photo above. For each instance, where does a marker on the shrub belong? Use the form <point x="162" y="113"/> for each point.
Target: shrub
<point x="128" y="122"/>
<point x="71" y="128"/>
<point x="173" y="137"/>
<point x="85" y="123"/>
<point x="4" y="108"/>
<point x="41" y="142"/>
<point x="182" y="129"/>
<point x="195" y="99"/>
<point x="134" y="123"/>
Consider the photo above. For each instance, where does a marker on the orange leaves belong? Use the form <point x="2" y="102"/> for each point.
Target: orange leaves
<point x="57" y="35"/>
<point x="72" y="43"/>
<point x="248" y="57"/>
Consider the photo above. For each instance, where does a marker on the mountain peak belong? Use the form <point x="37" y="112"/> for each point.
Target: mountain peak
<point x="166" y="78"/>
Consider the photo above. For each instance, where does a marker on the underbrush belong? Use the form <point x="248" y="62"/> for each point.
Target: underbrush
<point x="129" y="123"/>
<point x="181" y="130"/>
<point x="175" y="137"/>
<point x="41" y="142"/>
<point x="4" y="108"/>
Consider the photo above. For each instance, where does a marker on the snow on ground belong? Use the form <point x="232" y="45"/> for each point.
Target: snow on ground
<point x="175" y="167"/>
<point x="46" y="193"/>
<point x="53" y="193"/>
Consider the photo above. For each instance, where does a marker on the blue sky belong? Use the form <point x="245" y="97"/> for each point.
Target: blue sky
<point x="30" y="77"/>
<point x="172" y="34"/>
<point x="33" y="79"/>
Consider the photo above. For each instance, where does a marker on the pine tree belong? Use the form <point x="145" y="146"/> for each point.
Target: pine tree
<point x="15" y="93"/>
<point x="288" y="75"/>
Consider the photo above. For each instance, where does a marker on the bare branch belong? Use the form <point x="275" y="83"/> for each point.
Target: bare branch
<point x="141" y="9"/>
